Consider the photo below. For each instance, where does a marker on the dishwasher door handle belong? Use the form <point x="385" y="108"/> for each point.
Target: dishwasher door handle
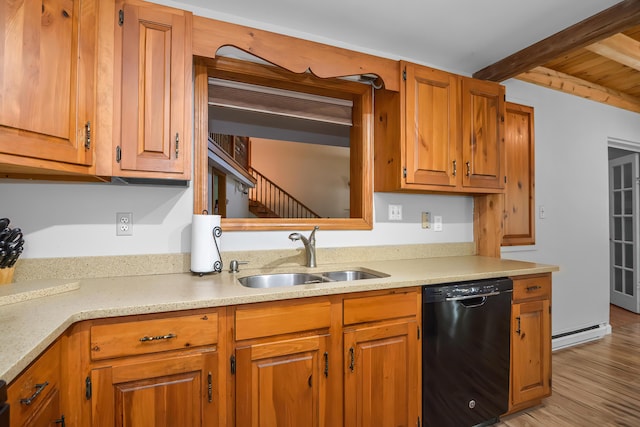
<point x="490" y="294"/>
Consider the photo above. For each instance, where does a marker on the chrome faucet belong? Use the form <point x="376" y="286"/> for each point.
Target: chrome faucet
<point x="309" y="245"/>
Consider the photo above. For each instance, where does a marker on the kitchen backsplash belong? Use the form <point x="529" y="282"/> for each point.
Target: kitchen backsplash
<point x="136" y="265"/>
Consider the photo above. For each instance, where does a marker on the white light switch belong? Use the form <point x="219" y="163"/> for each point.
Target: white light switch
<point x="395" y="212"/>
<point x="542" y="213"/>
<point x="437" y="223"/>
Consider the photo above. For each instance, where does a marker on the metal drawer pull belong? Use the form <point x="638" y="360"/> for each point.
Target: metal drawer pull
<point x="533" y="288"/>
<point x="518" y="329"/>
<point x="39" y="388"/>
<point x="159" y="337"/>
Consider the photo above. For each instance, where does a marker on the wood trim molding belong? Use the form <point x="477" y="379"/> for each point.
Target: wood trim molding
<point x="322" y="60"/>
<point x="615" y="19"/>
<point x="200" y="138"/>
<point x="361" y="174"/>
<point x="488" y="224"/>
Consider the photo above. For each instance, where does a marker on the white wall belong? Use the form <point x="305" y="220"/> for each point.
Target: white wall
<point x="571" y="180"/>
<point x="76" y="219"/>
<point x="317" y="175"/>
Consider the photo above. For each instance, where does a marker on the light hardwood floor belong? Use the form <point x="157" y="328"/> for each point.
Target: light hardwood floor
<point x="594" y="384"/>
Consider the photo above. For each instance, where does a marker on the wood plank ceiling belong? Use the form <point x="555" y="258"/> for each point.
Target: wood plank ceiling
<point x="597" y="59"/>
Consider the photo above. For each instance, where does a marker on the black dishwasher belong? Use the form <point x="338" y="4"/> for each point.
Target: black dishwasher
<point x="4" y="406"/>
<point x="466" y="352"/>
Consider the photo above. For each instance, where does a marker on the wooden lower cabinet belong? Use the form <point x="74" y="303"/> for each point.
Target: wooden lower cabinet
<point x="530" y="341"/>
<point x="159" y="391"/>
<point x="382" y="375"/>
<point x="155" y="370"/>
<point x="282" y="383"/>
<point x="352" y="360"/>
<point x="34" y="397"/>
<point x="282" y="372"/>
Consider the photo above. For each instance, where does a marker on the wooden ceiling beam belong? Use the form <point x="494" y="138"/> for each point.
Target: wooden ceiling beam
<point x="619" y="48"/>
<point x="575" y="86"/>
<point x="615" y="19"/>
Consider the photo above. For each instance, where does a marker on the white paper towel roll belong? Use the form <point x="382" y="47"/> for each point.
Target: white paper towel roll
<point x="205" y="255"/>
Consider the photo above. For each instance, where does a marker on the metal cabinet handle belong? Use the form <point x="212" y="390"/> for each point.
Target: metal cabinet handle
<point x="455" y="167"/>
<point x="61" y="421"/>
<point x="87" y="135"/>
<point x="518" y="327"/>
<point x="39" y="388"/>
<point x="468" y="168"/>
<point x="352" y="356"/>
<point x="326" y="364"/>
<point x="533" y="288"/>
<point x="210" y="387"/>
<point x="177" y="144"/>
<point x="158" y="337"/>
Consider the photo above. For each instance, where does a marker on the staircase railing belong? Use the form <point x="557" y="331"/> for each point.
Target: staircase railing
<point x="277" y="199"/>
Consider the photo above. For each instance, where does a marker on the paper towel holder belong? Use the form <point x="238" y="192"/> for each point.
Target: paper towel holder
<point x="209" y="257"/>
<point x="217" y="266"/>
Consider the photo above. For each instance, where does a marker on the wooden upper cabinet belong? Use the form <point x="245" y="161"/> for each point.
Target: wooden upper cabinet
<point x="440" y="133"/>
<point x="48" y="56"/>
<point x="519" y="196"/>
<point x="482" y="133"/>
<point x="431" y="126"/>
<point x="155" y="91"/>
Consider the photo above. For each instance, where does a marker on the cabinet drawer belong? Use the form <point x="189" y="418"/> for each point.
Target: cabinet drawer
<point x="151" y="336"/>
<point x="284" y="317"/>
<point x="532" y="287"/>
<point x="35" y="388"/>
<point x="379" y="307"/>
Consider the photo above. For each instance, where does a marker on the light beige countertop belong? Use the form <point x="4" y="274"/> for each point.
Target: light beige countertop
<point x="31" y="322"/>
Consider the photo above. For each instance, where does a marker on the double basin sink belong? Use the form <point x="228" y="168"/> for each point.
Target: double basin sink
<point x="277" y="280"/>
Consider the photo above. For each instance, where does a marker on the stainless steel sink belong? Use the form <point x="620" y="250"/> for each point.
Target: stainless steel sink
<point x="339" y="276"/>
<point x="277" y="280"/>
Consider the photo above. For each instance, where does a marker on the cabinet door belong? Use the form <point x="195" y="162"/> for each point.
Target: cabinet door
<point x="156" y="89"/>
<point x="34" y="396"/>
<point x="282" y="383"/>
<point x="382" y="379"/>
<point x="431" y="126"/>
<point x="169" y="391"/>
<point x="48" y="55"/>
<point x="531" y="351"/>
<point x="47" y="415"/>
<point x="519" y="195"/>
<point x="482" y="134"/>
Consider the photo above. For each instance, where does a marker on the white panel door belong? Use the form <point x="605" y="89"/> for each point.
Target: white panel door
<point x="623" y="232"/>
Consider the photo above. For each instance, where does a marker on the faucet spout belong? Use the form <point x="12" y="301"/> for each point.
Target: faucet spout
<point x="309" y="245"/>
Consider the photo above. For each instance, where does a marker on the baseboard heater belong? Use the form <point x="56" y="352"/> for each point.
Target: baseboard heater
<point x="579" y="336"/>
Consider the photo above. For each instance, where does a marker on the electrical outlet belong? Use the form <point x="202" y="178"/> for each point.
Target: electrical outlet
<point x="426" y="220"/>
<point x="395" y="212"/>
<point x="124" y="224"/>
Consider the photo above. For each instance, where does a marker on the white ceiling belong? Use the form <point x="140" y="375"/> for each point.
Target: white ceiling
<point x="461" y="36"/>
